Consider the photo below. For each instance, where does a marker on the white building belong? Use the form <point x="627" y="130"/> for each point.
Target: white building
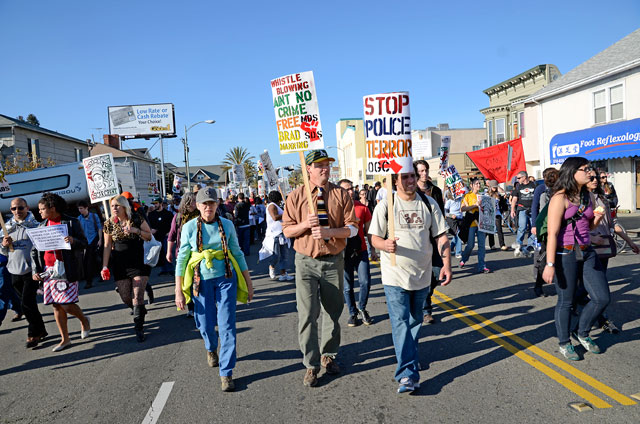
<point x="593" y="111"/>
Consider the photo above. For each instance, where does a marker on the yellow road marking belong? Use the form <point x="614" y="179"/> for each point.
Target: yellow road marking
<point x="580" y="391"/>
<point x="613" y="394"/>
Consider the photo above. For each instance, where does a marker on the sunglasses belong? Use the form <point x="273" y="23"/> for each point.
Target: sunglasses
<point x="593" y="178"/>
<point x="586" y="169"/>
<point x="17" y="208"/>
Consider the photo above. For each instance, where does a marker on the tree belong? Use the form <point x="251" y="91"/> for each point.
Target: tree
<point x="240" y="156"/>
<point x="296" y="178"/>
<point x="18" y="162"/>
<point x="31" y="119"/>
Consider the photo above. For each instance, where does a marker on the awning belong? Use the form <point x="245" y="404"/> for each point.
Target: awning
<point x="617" y="140"/>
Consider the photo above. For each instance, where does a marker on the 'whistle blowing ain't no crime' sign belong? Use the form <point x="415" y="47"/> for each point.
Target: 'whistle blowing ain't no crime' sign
<point x="297" y="117"/>
<point x="387" y="126"/>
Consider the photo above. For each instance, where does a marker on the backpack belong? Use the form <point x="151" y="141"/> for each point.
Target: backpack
<point x="542" y="232"/>
<point x="436" y="259"/>
<point x="353" y="248"/>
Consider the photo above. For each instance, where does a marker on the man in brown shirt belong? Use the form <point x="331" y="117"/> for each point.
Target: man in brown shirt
<point x="319" y="240"/>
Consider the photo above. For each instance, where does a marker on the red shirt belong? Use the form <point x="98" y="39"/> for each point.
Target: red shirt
<point x="50" y="255"/>
<point x="364" y="215"/>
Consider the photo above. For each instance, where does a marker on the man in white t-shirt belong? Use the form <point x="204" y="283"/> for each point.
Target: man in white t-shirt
<point x="407" y="284"/>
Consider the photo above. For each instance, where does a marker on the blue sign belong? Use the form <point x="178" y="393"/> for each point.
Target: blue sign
<point x="604" y="142"/>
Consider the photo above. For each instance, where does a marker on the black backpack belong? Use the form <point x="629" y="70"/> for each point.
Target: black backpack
<point x="436" y="259"/>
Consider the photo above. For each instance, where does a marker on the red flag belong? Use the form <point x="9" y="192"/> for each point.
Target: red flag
<point x="493" y="161"/>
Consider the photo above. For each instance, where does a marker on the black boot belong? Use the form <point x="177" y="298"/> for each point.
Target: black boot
<point x="139" y="312"/>
<point x="149" y="291"/>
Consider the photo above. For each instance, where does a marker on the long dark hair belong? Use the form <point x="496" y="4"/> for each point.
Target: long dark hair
<point x="566" y="179"/>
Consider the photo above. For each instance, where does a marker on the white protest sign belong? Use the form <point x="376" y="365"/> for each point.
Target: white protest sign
<point x="101" y="177"/>
<point x="453" y="180"/>
<point x="387" y="126"/>
<point x="49" y="238"/>
<point x="270" y="175"/>
<point x="297" y="116"/>
<point x="487" y="216"/>
<point x="4" y="184"/>
<point x="445" y="144"/>
<point x="238" y="173"/>
<point x="421" y="144"/>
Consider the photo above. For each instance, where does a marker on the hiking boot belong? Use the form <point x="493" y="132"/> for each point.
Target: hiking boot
<point x="589" y="345"/>
<point x="569" y="352"/>
<point x="212" y="359"/>
<point x="353" y="321"/>
<point x="610" y="327"/>
<point x="227" y="384"/>
<point x="310" y="378"/>
<point x="366" y="319"/>
<point x="429" y="319"/>
<point x="330" y="365"/>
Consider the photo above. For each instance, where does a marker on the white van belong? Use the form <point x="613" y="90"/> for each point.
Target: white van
<point x="66" y="180"/>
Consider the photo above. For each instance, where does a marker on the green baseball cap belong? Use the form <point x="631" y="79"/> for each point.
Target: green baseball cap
<point x="317" y="156"/>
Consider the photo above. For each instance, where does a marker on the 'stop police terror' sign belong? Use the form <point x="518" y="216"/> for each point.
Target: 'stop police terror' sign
<point x="387" y="126"/>
<point x="296" y="108"/>
<point x="142" y="120"/>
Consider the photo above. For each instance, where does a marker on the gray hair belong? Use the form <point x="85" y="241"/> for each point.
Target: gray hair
<point x="187" y="200"/>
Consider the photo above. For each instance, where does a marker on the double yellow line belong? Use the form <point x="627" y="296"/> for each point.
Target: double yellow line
<point x="464" y="314"/>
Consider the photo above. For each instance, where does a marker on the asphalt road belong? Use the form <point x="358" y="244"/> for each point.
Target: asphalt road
<point x="491" y="357"/>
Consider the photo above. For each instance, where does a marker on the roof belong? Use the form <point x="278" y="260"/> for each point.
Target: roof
<point x="212" y="171"/>
<point x="100" y="149"/>
<point x="515" y="80"/>
<point x="616" y="58"/>
<point x="7" y="121"/>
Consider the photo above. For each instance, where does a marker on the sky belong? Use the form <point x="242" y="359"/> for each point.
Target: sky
<point x="66" y="62"/>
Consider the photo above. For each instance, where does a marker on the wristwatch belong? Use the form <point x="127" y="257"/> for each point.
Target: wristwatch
<point x="551" y="264"/>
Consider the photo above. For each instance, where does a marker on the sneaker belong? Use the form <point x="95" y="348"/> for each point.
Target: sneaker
<point x="227" y="384"/>
<point x="353" y="321"/>
<point x="429" y="319"/>
<point x="289" y="277"/>
<point x="458" y="256"/>
<point x="589" y="344"/>
<point x="461" y="264"/>
<point x="503" y="248"/>
<point x="406" y="385"/>
<point x="610" y="327"/>
<point x="569" y="352"/>
<point x="485" y="270"/>
<point x="515" y="246"/>
<point x="310" y="378"/>
<point x="212" y="359"/>
<point x="330" y="364"/>
<point x="366" y="319"/>
<point x="517" y="253"/>
<point x="272" y="272"/>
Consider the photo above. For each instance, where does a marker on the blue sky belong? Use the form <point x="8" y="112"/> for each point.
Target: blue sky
<point x="67" y="61"/>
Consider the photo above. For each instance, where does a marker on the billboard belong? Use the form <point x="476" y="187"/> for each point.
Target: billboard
<point x="142" y="121"/>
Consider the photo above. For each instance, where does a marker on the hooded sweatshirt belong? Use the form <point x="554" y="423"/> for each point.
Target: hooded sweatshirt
<point x="20" y="259"/>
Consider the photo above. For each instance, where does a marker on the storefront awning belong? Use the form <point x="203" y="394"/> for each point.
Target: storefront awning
<point x="604" y="142"/>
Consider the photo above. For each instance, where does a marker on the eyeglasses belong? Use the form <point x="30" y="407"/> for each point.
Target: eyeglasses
<point x="586" y="169"/>
<point x="17" y="208"/>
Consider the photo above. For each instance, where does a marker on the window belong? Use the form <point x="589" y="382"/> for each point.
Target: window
<point x="521" y="124"/>
<point x="608" y="104"/>
<point x="135" y="170"/>
<point x="78" y="153"/>
<point x="33" y="147"/>
<point x="152" y="171"/>
<point x="40" y="185"/>
<point x="499" y="130"/>
<point x="490" y="132"/>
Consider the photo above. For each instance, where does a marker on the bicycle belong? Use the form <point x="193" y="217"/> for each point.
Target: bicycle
<point x="621" y="244"/>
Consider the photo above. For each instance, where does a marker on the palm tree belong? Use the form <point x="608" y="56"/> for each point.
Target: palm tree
<point x="240" y="155"/>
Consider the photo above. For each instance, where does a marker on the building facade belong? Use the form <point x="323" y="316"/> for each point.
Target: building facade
<point x="593" y="111"/>
<point x="351" y="151"/>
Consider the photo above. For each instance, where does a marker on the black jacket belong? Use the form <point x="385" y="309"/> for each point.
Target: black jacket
<point x="72" y="258"/>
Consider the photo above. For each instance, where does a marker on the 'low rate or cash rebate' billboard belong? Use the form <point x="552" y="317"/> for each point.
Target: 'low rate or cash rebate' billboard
<point x="297" y="117"/>
<point x="142" y="120"/>
<point x="387" y="130"/>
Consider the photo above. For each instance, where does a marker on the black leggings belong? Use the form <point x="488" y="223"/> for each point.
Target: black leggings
<point x="26" y="289"/>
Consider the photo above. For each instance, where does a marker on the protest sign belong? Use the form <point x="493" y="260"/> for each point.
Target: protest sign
<point x="238" y="173"/>
<point x="500" y="162"/>
<point x="270" y="176"/>
<point x="487" y="216"/>
<point x="50" y="237"/>
<point x="4" y="184"/>
<point x="153" y="189"/>
<point x="177" y="184"/>
<point x="387" y="126"/>
<point x="297" y="116"/>
<point x="453" y="180"/>
<point x="445" y="143"/>
<point x="421" y="144"/>
<point x="100" y="173"/>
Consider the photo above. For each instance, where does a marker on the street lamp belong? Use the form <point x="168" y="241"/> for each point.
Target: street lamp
<point x="186" y="148"/>
<point x="344" y="159"/>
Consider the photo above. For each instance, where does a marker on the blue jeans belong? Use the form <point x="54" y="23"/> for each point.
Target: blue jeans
<point x="473" y="233"/>
<point x="405" y="315"/>
<point x="566" y="281"/>
<point x="456" y="244"/>
<point x="280" y="258"/>
<point x="243" y="239"/>
<point x="361" y="266"/>
<point x="524" y="226"/>
<point x="216" y="305"/>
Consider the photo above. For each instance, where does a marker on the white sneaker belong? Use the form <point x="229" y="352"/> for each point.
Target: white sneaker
<point x="272" y="272"/>
<point x="286" y="277"/>
<point x="517" y="252"/>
